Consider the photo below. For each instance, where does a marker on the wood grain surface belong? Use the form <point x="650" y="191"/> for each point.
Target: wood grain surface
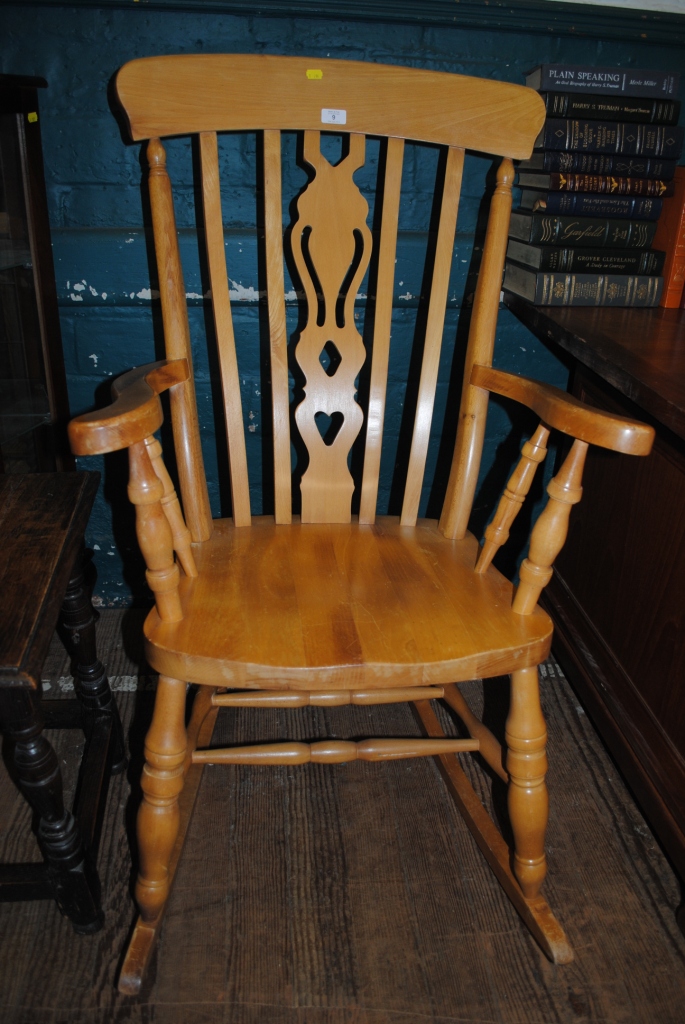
<point x="179" y="95"/>
<point x="637" y="351"/>
<point x="42" y="520"/>
<point x="342" y="606"/>
<point x="318" y="894"/>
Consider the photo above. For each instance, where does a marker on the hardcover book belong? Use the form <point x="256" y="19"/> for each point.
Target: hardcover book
<point x="612" y="108"/>
<point x="611" y="137"/>
<point x="544" y="289"/>
<point x="599" y="163"/>
<point x="583" y="78"/>
<point x="586" y="260"/>
<point x="587" y="231"/>
<point x="588" y="204"/>
<point x="606" y="184"/>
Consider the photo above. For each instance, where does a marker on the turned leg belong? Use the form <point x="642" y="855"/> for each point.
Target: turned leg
<point x="35" y="768"/>
<point x="526" y="736"/>
<point x="92" y="686"/>
<point x="162" y="783"/>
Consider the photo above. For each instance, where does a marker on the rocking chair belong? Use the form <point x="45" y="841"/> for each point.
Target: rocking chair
<point x="328" y="607"/>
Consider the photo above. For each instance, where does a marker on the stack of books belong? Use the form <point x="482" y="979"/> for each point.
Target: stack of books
<point x="594" y="188"/>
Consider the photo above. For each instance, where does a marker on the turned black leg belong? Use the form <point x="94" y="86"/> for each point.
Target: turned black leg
<point x="35" y="769"/>
<point x="77" y="620"/>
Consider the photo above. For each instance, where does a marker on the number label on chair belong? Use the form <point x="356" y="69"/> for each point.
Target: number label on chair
<point x="331" y="116"/>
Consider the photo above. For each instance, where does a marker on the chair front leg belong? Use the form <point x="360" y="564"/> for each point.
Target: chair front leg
<point x="526" y="736"/>
<point x="162" y="783"/>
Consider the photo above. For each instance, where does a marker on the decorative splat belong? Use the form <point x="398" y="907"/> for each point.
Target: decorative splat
<point x="331" y="246"/>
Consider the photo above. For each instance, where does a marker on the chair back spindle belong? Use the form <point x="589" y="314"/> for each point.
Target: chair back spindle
<point x="223" y="325"/>
<point x="444" y="254"/>
<point x="381" y="330"/>
<point x="177" y="340"/>
<point x="473" y="410"/>
<point x="278" y="334"/>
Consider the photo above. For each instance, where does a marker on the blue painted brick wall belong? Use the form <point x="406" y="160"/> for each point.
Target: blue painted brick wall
<point x="109" y="316"/>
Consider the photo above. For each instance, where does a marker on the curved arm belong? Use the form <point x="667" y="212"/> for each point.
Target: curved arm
<point x="565" y="413"/>
<point x="135" y="413"/>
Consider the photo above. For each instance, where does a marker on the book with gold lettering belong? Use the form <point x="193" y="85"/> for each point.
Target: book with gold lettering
<point x="586" y="260"/>
<point x="553" y="161"/>
<point x="589" y="204"/>
<point x="606" y="184"/>
<point x="547" y="289"/>
<point x="610" y="232"/>
<point x="612" y="108"/>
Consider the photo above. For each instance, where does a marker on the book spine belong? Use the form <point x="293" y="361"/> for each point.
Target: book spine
<point x="606" y="163"/>
<point x="612" y="108"/>
<point x="586" y="204"/>
<point x="620" y="81"/>
<point x="597" y="290"/>
<point x="671" y="234"/>
<point x="599" y="261"/>
<point x="607" y="184"/>
<point x="609" y="233"/>
<point x="611" y="137"/>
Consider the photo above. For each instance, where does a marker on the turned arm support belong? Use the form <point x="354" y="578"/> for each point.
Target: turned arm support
<point x="563" y="412"/>
<point x="129" y="422"/>
<point x="135" y="413"/>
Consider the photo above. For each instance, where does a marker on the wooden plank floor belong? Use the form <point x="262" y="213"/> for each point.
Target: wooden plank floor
<point x="353" y="894"/>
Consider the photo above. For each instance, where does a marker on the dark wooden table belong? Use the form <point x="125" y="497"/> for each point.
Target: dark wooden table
<point x="42" y="584"/>
<point x="618" y="592"/>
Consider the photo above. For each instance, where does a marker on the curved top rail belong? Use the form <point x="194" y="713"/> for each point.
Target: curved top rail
<point x="188" y="93"/>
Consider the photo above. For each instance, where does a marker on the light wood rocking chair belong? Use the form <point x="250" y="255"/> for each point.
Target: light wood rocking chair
<point x="329" y="608"/>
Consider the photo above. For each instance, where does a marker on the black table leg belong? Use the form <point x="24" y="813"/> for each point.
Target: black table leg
<point x="77" y="620"/>
<point x="35" y="768"/>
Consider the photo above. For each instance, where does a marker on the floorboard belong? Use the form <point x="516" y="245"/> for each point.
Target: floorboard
<point x="352" y="894"/>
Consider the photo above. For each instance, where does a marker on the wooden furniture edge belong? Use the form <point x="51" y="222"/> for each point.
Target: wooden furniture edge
<point x="135" y="412"/>
<point x="30" y="672"/>
<point x="609" y="367"/>
<point x="142" y="944"/>
<point x="564" y="412"/>
<point x="604" y="706"/>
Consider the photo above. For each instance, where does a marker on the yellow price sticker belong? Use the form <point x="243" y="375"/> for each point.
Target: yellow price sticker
<point x="33" y="116"/>
<point x="314" y="73"/>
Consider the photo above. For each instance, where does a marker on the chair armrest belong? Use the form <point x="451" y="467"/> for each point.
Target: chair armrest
<point x="563" y="412"/>
<point x="135" y="413"/>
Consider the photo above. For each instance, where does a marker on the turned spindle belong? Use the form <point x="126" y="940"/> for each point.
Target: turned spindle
<point x="172" y="509"/>
<point x="549" y="532"/>
<point x="497" y="532"/>
<point x="145" y="490"/>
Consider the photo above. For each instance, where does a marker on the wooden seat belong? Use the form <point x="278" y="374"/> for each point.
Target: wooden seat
<point x="342" y="606"/>
<point x="336" y="605"/>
